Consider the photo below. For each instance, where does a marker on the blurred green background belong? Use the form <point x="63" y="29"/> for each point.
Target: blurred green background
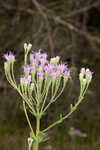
<point x="67" y="28"/>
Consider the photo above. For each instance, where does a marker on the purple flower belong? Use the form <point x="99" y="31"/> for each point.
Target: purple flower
<point x="89" y="73"/>
<point x="25" y="80"/>
<point x="32" y="85"/>
<point x="54" y="74"/>
<point x="66" y="74"/>
<point x="27" y="69"/>
<point x="49" y="68"/>
<point x="22" y="79"/>
<point x="43" y="61"/>
<point x="44" y="55"/>
<point x="34" y="61"/>
<point x="78" y="133"/>
<point x="40" y="74"/>
<point x="33" y="68"/>
<point x="61" y="67"/>
<point x="9" y="57"/>
<point x="31" y="57"/>
<point x="37" y="54"/>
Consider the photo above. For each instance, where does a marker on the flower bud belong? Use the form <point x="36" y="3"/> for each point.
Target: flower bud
<point x="83" y="71"/>
<point x="55" y="60"/>
<point x="81" y="75"/>
<point x="6" y="65"/>
<point x="84" y="81"/>
<point x="25" y="47"/>
<point x="32" y="85"/>
<point x="29" y="47"/>
<point x="88" y="75"/>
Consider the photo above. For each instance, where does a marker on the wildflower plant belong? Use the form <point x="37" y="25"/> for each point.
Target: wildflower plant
<point x="42" y="78"/>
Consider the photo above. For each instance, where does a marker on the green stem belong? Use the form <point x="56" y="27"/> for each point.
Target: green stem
<point x="37" y="132"/>
<point x="28" y="120"/>
<point x="65" y="117"/>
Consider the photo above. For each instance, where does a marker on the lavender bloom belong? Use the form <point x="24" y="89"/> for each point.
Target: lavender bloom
<point x="41" y="74"/>
<point x="27" y="69"/>
<point x="44" y="55"/>
<point x="33" y="68"/>
<point x="22" y="79"/>
<point x="43" y="61"/>
<point x="77" y="133"/>
<point x="38" y="54"/>
<point x="89" y="73"/>
<point x="34" y="61"/>
<point x="66" y="74"/>
<point x="54" y="74"/>
<point x="9" y="57"/>
<point x="49" y="68"/>
<point x="61" y="68"/>
<point x="32" y="85"/>
<point x="25" y="80"/>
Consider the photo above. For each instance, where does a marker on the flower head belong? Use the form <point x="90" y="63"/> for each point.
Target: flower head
<point x="49" y="67"/>
<point x="66" y="74"/>
<point x="40" y="74"/>
<point x="32" y="85"/>
<point x="27" y="69"/>
<point x="54" y="74"/>
<point x="61" y="68"/>
<point x="9" y="57"/>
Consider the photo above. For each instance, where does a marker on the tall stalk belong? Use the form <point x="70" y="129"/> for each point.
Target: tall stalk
<point x="40" y="78"/>
<point x="37" y="132"/>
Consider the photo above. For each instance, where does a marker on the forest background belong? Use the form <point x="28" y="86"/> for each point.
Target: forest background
<point x="66" y="28"/>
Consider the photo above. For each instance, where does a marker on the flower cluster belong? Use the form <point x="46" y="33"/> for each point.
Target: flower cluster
<point x="44" y="73"/>
<point x="85" y="75"/>
<point x="40" y="74"/>
<point x="42" y="68"/>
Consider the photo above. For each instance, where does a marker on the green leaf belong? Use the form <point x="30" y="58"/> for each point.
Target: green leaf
<point x="43" y="137"/>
